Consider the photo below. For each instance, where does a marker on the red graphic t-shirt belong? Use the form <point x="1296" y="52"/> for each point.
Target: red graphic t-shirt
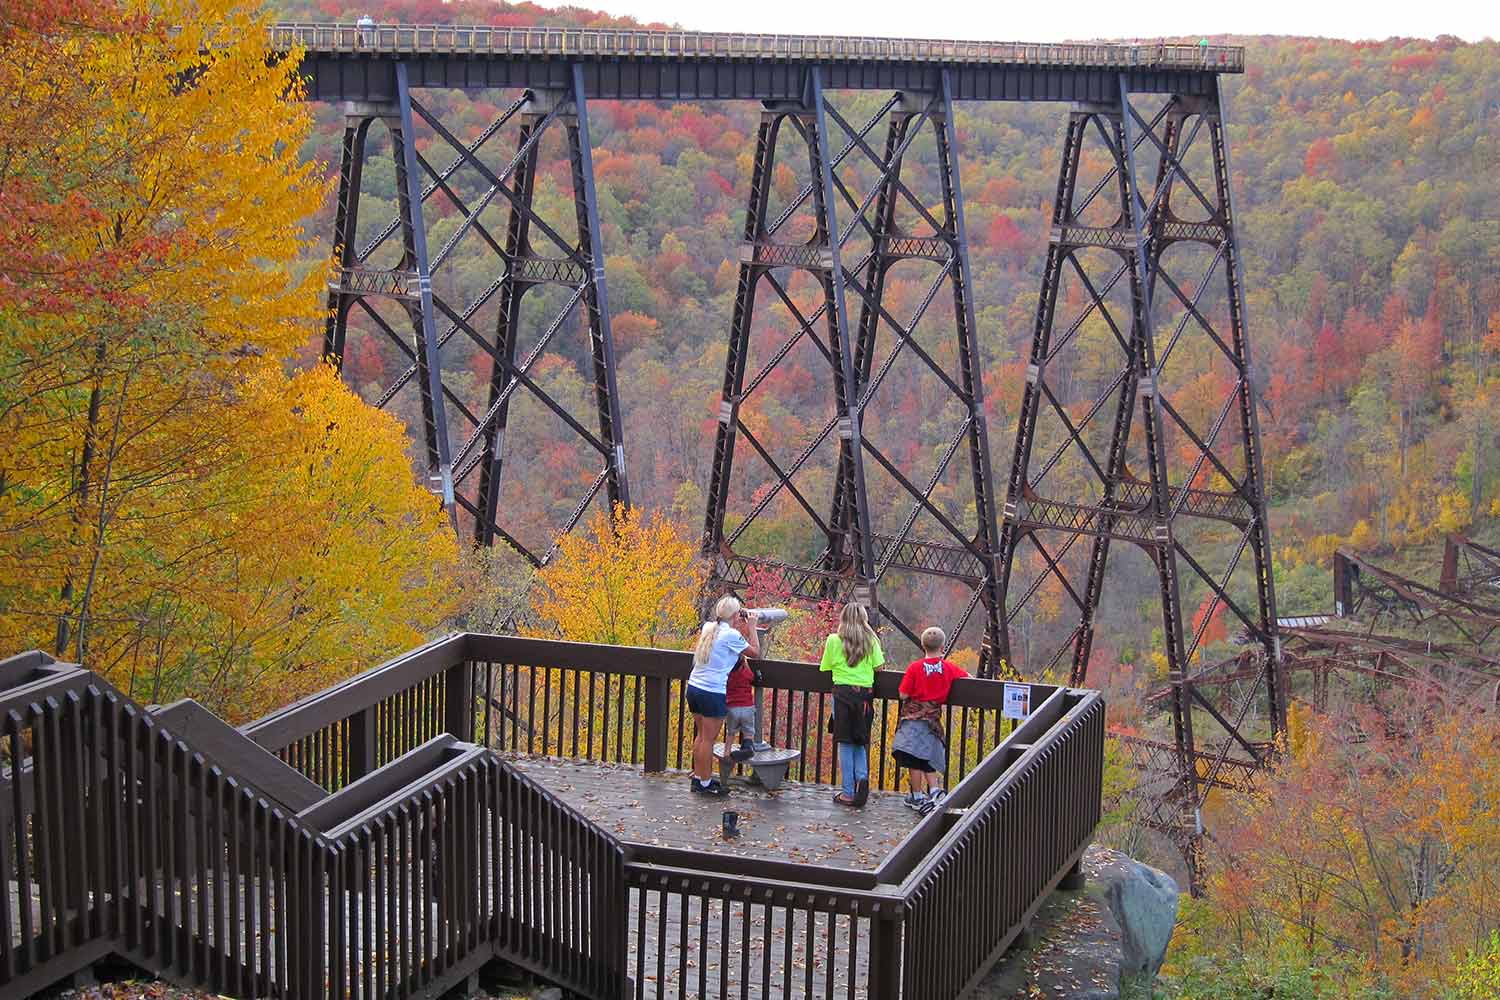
<point x="930" y="679"/>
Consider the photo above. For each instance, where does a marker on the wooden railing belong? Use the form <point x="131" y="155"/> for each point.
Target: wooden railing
<point x="537" y="696"/>
<point x="968" y="899"/>
<point x="479" y="40"/>
<point x="120" y="837"/>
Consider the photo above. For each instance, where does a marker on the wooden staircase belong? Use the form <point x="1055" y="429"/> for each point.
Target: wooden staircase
<point x="174" y="841"/>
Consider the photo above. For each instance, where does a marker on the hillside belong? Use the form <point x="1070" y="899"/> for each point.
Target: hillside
<point x="191" y="506"/>
<point x="1367" y="183"/>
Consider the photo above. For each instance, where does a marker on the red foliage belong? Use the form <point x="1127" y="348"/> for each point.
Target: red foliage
<point x="790" y="381"/>
<point x="50" y="16"/>
<point x="1000" y="192"/>
<point x="1215" y="630"/>
<point x="1333" y="373"/>
<point x="365" y="364"/>
<point x="700" y="126"/>
<point x="647" y="140"/>
<point x="721" y="182"/>
<point x="632" y="329"/>
<point x="802" y="635"/>
<point x="1004" y="234"/>
<point x="1321" y="159"/>
<point x="1417" y="62"/>
<point x="1395" y="311"/>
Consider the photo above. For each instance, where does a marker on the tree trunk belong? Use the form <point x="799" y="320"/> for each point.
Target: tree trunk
<point x="81" y="487"/>
<point x="1401" y="438"/>
<point x="1476" y="484"/>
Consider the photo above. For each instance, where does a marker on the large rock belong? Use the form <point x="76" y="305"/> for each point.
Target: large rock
<point x="1086" y="944"/>
<point x="1143" y="902"/>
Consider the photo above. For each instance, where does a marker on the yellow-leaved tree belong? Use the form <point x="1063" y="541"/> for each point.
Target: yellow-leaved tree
<point x="629" y="580"/>
<point x="320" y="556"/>
<point x="176" y="512"/>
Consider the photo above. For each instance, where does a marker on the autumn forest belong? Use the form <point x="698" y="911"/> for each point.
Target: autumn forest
<point x="192" y="502"/>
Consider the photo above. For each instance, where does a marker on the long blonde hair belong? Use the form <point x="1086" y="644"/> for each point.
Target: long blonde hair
<point x="855" y="633"/>
<point x="724" y="611"/>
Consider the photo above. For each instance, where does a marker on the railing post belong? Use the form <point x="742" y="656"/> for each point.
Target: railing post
<point x="885" y="951"/>
<point x="361" y="745"/>
<point x="656" y="723"/>
<point x="458" y="701"/>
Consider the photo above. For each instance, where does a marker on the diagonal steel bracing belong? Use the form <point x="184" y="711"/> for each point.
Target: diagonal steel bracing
<point x="857" y="240"/>
<point x="530" y="252"/>
<point x="1127" y="464"/>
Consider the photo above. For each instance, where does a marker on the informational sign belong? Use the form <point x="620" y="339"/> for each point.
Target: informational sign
<point x="1017" y="701"/>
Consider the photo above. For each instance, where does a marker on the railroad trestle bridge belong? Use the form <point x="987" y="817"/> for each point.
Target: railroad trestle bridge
<point x="1142" y="279"/>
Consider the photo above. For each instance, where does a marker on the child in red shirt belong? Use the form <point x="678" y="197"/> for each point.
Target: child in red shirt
<point x="740" y="698"/>
<point x="919" y="745"/>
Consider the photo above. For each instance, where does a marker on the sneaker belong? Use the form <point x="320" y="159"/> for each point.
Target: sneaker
<point x="742" y="753"/>
<point x="913" y="801"/>
<point x="710" y="787"/>
<point x="936" y="796"/>
<point x="925" y="805"/>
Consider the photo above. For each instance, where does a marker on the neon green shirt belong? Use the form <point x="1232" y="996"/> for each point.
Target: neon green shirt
<point x="862" y="674"/>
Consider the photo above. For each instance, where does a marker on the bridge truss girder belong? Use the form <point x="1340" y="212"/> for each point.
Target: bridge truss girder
<point x="1470" y="569"/>
<point x="857" y="239"/>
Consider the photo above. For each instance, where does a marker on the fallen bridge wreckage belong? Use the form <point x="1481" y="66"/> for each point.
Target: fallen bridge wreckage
<point x="1388" y="632"/>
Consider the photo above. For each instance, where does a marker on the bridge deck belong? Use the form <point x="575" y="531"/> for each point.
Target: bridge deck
<point x="349" y="62"/>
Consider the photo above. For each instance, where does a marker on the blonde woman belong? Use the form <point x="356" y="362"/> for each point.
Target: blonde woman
<point x="728" y="635"/>
<point x="851" y="654"/>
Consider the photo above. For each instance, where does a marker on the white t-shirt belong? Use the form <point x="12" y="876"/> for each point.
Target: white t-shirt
<point x="713" y="676"/>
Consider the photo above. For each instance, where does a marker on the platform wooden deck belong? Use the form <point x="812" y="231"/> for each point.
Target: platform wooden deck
<point x="799" y="822"/>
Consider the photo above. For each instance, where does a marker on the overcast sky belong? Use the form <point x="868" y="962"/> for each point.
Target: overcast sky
<point x="1042" y="21"/>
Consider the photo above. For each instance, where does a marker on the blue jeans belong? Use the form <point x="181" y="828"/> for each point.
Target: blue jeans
<point x="854" y="765"/>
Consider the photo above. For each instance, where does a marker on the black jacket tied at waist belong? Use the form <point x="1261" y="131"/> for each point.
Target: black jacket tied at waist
<point x="853" y="714"/>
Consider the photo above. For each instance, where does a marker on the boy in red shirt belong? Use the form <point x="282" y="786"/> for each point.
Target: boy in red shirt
<point x="919" y="745"/>
<point x="739" y="696"/>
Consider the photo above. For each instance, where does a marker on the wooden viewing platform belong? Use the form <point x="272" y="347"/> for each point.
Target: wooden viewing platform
<point x="492" y="797"/>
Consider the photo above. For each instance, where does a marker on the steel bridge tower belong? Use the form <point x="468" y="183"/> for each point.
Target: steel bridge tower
<point x="1166" y="456"/>
<point x="862" y="233"/>
<point x="530" y="253"/>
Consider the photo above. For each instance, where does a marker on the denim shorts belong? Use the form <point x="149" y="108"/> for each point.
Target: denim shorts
<point x="706" y="703"/>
